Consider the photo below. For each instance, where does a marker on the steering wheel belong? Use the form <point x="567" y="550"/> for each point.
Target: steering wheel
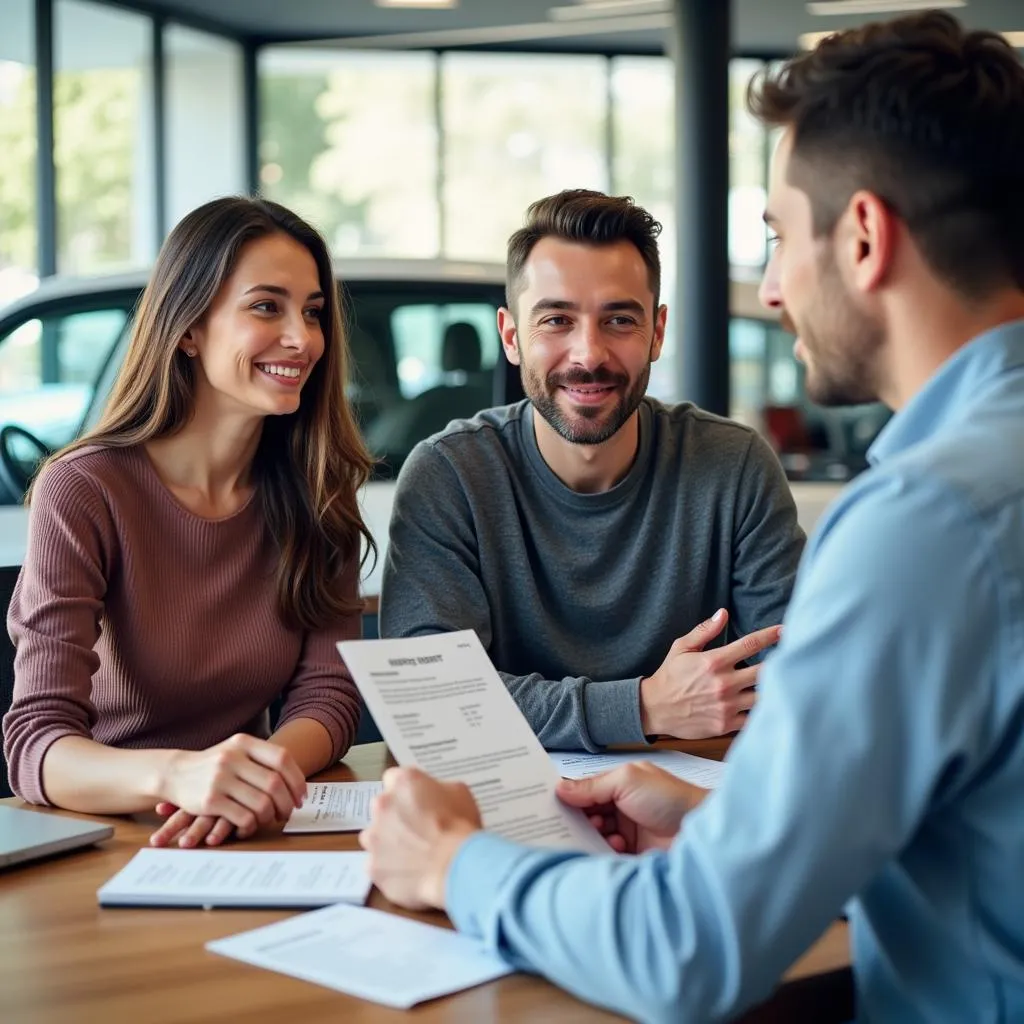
<point x="21" y="452"/>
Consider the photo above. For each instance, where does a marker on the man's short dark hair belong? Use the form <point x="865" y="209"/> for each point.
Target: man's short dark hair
<point x="927" y="116"/>
<point x="589" y="218"/>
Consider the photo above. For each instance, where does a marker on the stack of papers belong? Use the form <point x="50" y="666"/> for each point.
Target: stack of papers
<point x="335" y="807"/>
<point x="367" y="953"/>
<point x="230" y="878"/>
<point x="700" y="771"/>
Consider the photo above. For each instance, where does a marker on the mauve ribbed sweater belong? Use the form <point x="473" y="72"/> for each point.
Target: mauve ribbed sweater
<point x="140" y="624"/>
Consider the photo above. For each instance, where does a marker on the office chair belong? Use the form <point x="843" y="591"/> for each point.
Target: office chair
<point x="8" y="577"/>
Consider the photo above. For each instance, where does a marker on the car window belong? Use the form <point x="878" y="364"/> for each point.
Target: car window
<point x="421" y="357"/>
<point x="49" y="365"/>
<point x="422" y="330"/>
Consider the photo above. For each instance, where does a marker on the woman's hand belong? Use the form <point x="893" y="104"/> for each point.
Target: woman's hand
<point x="240" y="784"/>
<point x="190" y="830"/>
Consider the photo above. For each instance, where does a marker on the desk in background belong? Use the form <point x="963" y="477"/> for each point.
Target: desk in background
<point x="62" y="958"/>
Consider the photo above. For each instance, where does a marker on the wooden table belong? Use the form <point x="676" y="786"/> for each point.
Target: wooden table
<point x="63" y="959"/>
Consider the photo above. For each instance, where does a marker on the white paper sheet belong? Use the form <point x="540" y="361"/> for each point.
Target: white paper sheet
<point x="334" y="807"/>
<point x="236" y="878"/>
<point x="441" y="706"/>
<point x="367" y="953"/>
<point x="701" y="771"/>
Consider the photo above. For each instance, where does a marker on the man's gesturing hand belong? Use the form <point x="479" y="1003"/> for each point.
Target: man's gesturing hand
<point x="697" y="693"/>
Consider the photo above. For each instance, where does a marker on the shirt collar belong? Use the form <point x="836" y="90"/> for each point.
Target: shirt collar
<point x="953" y="390"/>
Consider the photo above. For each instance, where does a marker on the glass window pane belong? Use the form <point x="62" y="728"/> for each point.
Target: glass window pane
<point x="349" y="141"/>
<point x="205" y="153"/>
<point x="443" y="345"/>
<point x="747" y="172"/>
<point x="747" y="371"/>
<point x="103" y="138"/>
<point x="643" y="135"/>
<point x="643" y="132"/>
<point x="18" y="237"/>
<point x="516" y="128"/>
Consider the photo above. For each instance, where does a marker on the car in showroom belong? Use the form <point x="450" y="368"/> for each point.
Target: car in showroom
<point x="425" y="350"/>
<point x="423" y="338"/>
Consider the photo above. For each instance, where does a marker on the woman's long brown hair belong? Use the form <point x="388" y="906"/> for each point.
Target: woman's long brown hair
<point x="309" y="464"/>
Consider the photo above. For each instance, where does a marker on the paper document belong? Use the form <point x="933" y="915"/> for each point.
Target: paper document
<point x="235" y="878"/>
<point x="701" y="771"/>
<point x="442" y="707"/>
<point x="367" y="953"/>
<point x="334" y="807"/>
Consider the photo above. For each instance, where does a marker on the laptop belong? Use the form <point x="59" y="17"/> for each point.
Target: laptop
<point x="28" y="835"/>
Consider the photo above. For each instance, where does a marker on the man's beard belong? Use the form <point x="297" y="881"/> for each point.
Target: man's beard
<point x="584" y="427"/>
<point x="842" y="344"/>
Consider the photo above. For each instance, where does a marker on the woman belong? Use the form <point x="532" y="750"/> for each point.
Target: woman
<point x="196" y="555"/>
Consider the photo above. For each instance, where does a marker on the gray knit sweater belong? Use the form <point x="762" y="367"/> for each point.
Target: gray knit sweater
<point x="578" y="596"/>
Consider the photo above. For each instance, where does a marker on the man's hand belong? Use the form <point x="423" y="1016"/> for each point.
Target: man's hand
<point x="636" y="807"/>
<point x="698" y="693"/>
<point x="417" y="826"/>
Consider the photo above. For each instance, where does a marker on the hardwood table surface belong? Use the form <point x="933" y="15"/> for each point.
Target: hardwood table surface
<point x="64" y="959"/>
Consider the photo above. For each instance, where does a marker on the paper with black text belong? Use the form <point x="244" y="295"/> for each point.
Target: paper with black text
<point x="701" y="771"/>
<point x="334" y="807"/>
<point x="367" y="953"/>
<point x="442" y="707"/>
<point x="237" y="878"/>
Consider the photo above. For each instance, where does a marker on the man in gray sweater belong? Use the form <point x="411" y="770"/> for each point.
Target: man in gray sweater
<point x="595" y="539"/>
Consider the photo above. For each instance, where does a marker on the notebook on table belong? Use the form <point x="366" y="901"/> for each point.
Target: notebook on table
<point x="28" y="835"/>
<point x="238" y="878"/>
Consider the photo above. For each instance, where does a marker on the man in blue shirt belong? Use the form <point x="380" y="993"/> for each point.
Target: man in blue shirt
<point x="883" y="768"/>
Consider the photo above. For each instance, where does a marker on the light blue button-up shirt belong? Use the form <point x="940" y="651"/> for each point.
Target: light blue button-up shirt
<point x="884" y="762"/>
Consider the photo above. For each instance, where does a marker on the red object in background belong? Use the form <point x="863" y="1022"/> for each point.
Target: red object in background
<point x="786" y="429"/>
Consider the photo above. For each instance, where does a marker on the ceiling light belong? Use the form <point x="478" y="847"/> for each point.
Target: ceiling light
<point x="417" y="3"/>
<point x="878" y="6"/>
<point x="809" y="40"/>
<point x="607" y="9"/>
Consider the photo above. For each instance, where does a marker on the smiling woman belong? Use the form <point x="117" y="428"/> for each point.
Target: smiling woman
<point x="196" y="555"/>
